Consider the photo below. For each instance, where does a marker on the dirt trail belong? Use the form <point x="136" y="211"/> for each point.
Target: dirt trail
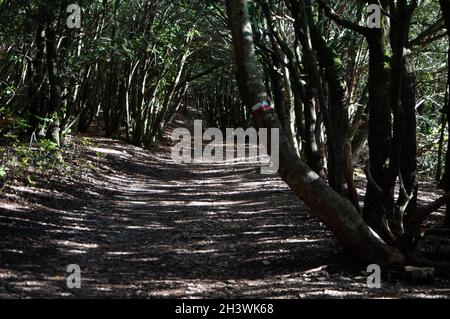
<point x="142" y="226"/>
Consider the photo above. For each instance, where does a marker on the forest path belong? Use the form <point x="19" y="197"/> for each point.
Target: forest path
<point x="139" y="225"/>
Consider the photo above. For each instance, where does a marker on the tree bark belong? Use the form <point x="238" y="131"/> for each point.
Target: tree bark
<point x="36" y="87"/>
<point x="332" y="209"/>
<point x="407" y="202"/>
<point x="379" y="127"/>
<point x="54" y="81"/>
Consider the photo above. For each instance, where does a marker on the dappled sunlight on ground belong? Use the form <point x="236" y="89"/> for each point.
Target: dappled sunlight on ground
<point x="140" y="225"/>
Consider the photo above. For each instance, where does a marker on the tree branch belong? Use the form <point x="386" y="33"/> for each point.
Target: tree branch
<point x="417" y="217"/>
<point x="199" y="75"/>
<point x="330" y="13"/>
<point x="371" y="180"/>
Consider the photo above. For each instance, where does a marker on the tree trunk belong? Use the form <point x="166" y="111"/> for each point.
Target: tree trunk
<point x="379" y="127"/>
<point x="54" y="81"/>
<point x="341" y="174"/>
<point x="332" y="209"/>
<point x="36" y="87"/>
<point x="407" y="202"/>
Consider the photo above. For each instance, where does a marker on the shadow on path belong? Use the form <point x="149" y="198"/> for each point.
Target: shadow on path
<point x="142" y="226"/>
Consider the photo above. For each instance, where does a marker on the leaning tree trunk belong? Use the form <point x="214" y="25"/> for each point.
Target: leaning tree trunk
<point x="332" y="209"/>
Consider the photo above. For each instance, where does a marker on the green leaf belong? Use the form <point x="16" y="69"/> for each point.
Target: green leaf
<point x="3" y="173"/>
